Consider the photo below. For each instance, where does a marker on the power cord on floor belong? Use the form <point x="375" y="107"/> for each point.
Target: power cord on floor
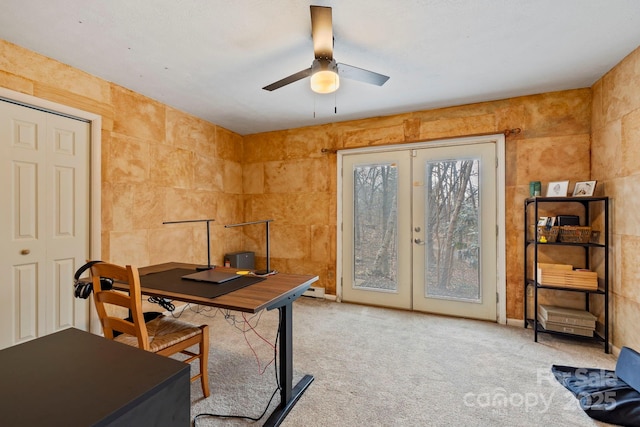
<point x="247" y="417"/>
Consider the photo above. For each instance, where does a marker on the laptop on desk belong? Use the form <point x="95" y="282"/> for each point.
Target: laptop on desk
<point x="211" y="276"/>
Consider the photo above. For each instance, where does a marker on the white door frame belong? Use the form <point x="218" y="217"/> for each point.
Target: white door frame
<point x="95" y="186"/>
<point x="499" y="140"/>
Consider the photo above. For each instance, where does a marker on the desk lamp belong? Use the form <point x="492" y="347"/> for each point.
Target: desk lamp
<point x="201" y="267"/>
<point x="266" y="222"/>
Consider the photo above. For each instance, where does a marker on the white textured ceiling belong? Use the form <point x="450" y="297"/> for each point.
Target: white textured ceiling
<point x="211" y="58"/>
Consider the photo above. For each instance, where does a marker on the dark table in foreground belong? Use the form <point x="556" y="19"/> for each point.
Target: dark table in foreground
<point x="277" y="291"/>
<point x="74" y="378"/>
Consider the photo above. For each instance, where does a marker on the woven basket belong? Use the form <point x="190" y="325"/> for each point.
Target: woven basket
<point x="550" y="234"/>
<point x="574" y="234"/>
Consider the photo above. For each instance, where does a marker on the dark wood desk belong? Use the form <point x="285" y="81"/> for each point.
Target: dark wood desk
<point x="277" y="291"/>
<point x="74" y="378"/>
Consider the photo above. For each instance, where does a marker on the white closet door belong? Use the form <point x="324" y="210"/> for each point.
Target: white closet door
<point x="44" y="221"/>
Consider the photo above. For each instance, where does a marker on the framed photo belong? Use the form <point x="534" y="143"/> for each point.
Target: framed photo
<point x="547" y="221"/>
<point x="557" y="189"/>
<point x="584" y="188"/>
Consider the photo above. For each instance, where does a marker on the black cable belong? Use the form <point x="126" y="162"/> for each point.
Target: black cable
<point x="275" y="351"/>
<point x="231" y="320"/>
<point x="198" y="309"/>
<point x="278" y="388"/>
<point x="246" y="417"/>
<point x="163" y="302"/>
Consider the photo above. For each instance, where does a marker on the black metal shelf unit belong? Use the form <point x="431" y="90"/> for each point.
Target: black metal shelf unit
<point x="531" y="215"/>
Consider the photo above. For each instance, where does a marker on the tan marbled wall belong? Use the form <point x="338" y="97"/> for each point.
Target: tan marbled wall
<point x="287" y="177"/>
<point x="162" y="164"/>
<point x="158" y="164"/>
<point x="615" y="162"/>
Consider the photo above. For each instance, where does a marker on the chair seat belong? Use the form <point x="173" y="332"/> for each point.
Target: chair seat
<point x="163" y="332"/>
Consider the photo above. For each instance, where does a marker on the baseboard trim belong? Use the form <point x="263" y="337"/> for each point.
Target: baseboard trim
<point x="515" y="322"/>
<point x="314" y="292"/>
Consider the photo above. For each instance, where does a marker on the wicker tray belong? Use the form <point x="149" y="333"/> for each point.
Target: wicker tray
<point x="550" y="234"/>
<point x="574" y="234"/>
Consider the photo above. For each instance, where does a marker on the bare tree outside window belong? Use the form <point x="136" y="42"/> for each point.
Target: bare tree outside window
<point x="452" y="230"/>
<point x="375" y="226"/>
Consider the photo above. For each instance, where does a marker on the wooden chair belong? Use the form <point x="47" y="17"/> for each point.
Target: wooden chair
<point x="164" y="335"/>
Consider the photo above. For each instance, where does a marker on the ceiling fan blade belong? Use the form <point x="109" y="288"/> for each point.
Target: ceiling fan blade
<point x="322" y="32"/>
<point x="360" y="74"/>
<point x="288" y="80"/>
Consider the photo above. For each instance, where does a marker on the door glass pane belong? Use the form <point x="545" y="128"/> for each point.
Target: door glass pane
<point x="375" y="189"/>
<point x="452" y="240"/>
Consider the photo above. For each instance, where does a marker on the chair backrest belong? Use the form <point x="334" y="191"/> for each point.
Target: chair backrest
<point x="131" y="302"/>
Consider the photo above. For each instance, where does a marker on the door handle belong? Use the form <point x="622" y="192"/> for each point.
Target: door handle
<point x="25" y="252"/>
<point x="418" y="241"/>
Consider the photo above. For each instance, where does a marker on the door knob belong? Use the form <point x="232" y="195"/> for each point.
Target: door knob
<point x="418" y="241"/>
<point x="25" y="252"/>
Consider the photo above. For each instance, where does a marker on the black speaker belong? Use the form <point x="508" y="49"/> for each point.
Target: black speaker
<point x="83" y="289"/>
<point x="562" y="220"/>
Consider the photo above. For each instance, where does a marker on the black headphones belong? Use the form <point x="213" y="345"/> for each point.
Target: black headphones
<point x="82" y="288"/>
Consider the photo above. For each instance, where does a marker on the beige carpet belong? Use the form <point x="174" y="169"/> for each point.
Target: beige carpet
<point x="382" y="367"/>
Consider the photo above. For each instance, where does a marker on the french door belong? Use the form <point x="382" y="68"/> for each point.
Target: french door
<point x="377" y="228"/>
<point x="419" y="229"/>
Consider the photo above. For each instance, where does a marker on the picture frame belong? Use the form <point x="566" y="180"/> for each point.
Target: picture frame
<point x="584" y="189"/>
<point x="557" y="189"/>
<point x="546" y="221"/>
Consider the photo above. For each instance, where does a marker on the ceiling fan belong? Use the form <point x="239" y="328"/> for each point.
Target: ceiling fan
<point x="325" y="72"/>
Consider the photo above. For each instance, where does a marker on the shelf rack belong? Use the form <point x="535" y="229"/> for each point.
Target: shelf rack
<point x="531" y="279"/>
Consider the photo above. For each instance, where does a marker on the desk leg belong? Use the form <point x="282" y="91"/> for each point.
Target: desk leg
<point x="288" y="395"/>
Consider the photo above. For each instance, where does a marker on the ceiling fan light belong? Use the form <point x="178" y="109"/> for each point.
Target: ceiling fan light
<point x="324" y="76"/>
<point x="325" y="82"/>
